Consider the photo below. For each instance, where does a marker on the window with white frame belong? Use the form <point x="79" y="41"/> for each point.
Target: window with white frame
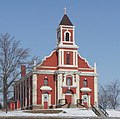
<point x="69" y="81"/>
<point x="67" y="36"/>
<point x="45" y="82"/>
<point x="85" y="83"/>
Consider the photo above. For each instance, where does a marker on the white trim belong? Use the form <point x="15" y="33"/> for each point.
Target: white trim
<point x="86" y="69"/>
<point x="67" y="65"/>
<point x="67" y="42"/>
<point x="47" y="67"/>
<point x="29" y="92"/>
<point x="62" y="57"/>
<point x="85" y="60"/>
<point x="77" y="58"/>
<point x="69" y="36"/>
<point x="72" y="86"/>
<point x="89" y="103"/>
<point x="74" y="35"/>
<point x="46" y="58"/>
<point x="59" y="82"/>
<point x="26" y="93"/>
<point x="67" y="46"/>
<point x="34" y="89"/>
<point x="67" y="26"/>
<point x="43" y="100"/>
<point x="67" y="70"/>
<point x="45" y="88"/>
<point x="77" y="89"/>
<point x="44" y="71"/>
<point x="59" y="60"/>
<point x="61" y="35"/>
<point x="96" y="91"/>
<point x="49" y="99"/>
<point x="85" y="89"/>
<point x="74" y="58"/>
<point x="88" y="74"/>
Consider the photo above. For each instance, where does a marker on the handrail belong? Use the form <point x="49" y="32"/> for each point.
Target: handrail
<point x="103" y="111"/>
<point x="61" y="105"/>
<point x="79" y="102"/>
<point x="95" y="111"/>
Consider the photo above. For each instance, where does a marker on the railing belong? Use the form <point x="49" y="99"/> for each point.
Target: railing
<point x="79" y="102"/>
<point x="95" y="111"/>
<point x="61" y="104"/>
<point x="103" y="111"/>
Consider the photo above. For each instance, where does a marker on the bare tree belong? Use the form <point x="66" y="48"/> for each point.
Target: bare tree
<point x="113" y="94"/>
<point x="103" y="99"/>
<point x="109" y="95"/>
<point x="11" y="58"/>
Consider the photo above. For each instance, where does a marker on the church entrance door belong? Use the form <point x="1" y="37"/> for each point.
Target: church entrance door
<point x="45" y="101"/>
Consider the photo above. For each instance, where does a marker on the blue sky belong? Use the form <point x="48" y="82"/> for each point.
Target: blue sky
<point x="34" y="23"/>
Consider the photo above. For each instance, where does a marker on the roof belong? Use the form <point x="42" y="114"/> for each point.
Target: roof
<point x="66" y="21"/>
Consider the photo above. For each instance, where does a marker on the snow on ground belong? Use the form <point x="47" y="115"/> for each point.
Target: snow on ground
<point x="67" y="112"/>
<point x="70" y="112"/>
<point x="114" y="113"/>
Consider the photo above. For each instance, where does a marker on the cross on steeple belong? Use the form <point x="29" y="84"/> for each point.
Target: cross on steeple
<point x="65" y="10"/>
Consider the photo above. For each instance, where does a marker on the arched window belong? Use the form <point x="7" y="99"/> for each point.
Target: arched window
<point x="85" y="83"/>
<point x="69" y="81"/>
<point x="67" y="36"/>
<point x="68" y="59"/>
<point x="45" y="82"/>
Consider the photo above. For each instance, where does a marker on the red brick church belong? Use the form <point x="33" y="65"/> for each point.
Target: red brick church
<point x="63" y="77"/>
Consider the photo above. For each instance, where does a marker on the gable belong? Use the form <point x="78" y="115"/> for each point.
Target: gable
<point x="49" y="61"/>
<point x="83" y="63"/>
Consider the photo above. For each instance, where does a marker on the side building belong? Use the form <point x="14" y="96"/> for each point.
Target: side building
<point x="63" y="75"/>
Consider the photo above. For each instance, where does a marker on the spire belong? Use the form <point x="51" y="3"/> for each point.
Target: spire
<point x="65" y="20"/>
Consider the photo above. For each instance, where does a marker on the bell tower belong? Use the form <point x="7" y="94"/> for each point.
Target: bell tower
<point x="67" y="49"/>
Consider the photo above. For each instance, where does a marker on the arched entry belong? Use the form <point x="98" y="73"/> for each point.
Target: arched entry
<point x="69" y="96"/>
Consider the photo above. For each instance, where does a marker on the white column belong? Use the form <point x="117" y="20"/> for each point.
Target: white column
<point x="78" y="88"/>
<point x="62" y="52"/>
<point x="26" y="86"/>
<point x="73" y="80"/>
<point x="34" y="89"/>
<point x="76" y="58"/>
<point x="61" y="35"/>
<point x="95" y="87"/>
<point x="89" y="105"/>
<point x="42" y="99"/>
<point x="29" y="92"/>
<point x="49" y="100"/>
<point x="58" y="91"/>
<point x="73" y="35"/>
<point x="59" y="86"/>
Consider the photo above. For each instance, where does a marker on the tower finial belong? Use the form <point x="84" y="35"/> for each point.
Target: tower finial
<point x="65" y="10"/>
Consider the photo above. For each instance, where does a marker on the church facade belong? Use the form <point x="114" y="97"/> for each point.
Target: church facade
<point x="62" y="76"/>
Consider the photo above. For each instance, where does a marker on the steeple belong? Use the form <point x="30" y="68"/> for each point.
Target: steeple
<point x="65" y="20"/>
<point x="65" y="33"/>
